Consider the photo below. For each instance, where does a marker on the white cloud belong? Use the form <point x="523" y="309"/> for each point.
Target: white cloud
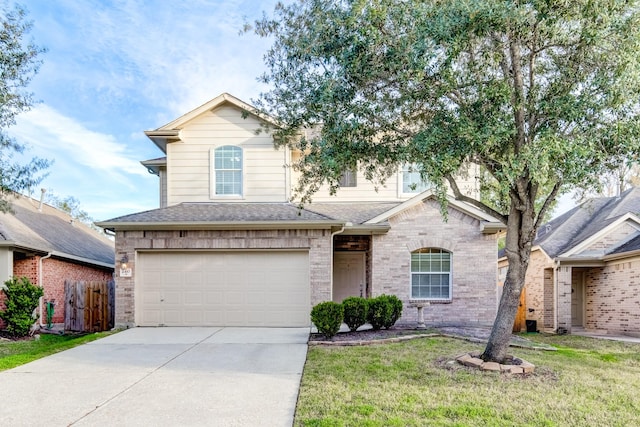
<point x="61" y="137"/>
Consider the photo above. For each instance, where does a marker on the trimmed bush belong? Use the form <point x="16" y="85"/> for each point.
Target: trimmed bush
<point x="384" y="311"/>
<point x="327" y="316"/>
<point x="21" y="300"/>
<point x="396" y="310"/>
<point x="355" y="312"/>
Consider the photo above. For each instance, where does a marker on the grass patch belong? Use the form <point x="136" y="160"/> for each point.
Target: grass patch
<point x="16" y="353"/>
<point x="586" y="382"/>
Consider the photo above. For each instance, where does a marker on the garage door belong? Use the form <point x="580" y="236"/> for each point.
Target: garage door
<point x="264" y="288"/>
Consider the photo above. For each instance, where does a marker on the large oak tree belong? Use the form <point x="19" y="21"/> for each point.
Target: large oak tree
<point x="542" y="94"/>
<point x="18" y="64"/>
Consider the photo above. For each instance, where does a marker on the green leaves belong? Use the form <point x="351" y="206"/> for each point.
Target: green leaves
<point x="529" y="90"/>
<point x="18" y="64"/>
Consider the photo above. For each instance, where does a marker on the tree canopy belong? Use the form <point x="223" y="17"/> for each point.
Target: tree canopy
<point x="542" y="94"/>
<point x="18" y="64"/>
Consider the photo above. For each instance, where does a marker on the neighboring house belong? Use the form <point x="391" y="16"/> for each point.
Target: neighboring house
<point x="584" y="271"/>
<point x="227" y="247"/>
<point x="47" y="246"/>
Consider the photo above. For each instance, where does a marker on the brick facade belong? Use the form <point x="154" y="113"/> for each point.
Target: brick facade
<point x="613" y="297"/>
<point x="54" y="273"/>
<point x="318" y="242"/>
<point x="474" y="260"/>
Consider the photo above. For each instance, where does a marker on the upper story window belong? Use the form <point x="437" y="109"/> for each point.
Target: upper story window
<point x="411" y="180"/>
<point x="227" y="164"/>
<point x="349" y="178"/>
<point x="431" y="274"/>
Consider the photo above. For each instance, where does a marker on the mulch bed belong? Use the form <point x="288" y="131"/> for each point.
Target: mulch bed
<point x="366" y="335"/>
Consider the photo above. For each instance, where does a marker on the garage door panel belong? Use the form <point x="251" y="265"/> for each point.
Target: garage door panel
<point x="262" y="288"/>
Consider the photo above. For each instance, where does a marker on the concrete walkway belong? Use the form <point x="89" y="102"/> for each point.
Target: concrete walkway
<point x="623" y="338"/>
<point x="162" y="376"/>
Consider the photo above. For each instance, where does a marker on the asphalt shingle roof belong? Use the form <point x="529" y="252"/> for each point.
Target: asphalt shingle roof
<point x="583" y="221"/>
<point x="53" y="231"/>
<point x="356" y="213"/>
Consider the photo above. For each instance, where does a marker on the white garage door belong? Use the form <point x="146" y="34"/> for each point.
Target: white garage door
<point x="263" y="288"/>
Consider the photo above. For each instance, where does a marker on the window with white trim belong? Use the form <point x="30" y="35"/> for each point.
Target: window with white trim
<point x="227" y="166"/>
<point x="431" y="274"/>
<point x="412" y="182"/>
<point x="349" y="178"/>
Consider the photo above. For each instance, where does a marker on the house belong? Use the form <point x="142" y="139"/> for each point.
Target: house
<point x="584" y="272"/>
<point x="228" y="247"/>
<point x="48" y="246"/>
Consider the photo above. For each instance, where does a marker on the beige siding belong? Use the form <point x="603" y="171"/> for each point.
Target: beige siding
<point x="390" y="190"/>
<point x="188" y="161"/>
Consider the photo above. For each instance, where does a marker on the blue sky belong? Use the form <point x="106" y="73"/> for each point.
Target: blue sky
<point x="114" y="69"/>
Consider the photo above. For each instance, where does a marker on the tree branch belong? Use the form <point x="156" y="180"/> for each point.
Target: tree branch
<point x="547" y="203"/>
<point x="463" y="198"/>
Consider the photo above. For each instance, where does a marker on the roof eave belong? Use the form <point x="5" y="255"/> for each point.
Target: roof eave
<point x="162" y="137"/>
<point x="492" y="227"/>
<point x="621" y="255"/>
<point x="220" y="225"/>
<point x="581" y="262"/>
<point x="366" y="229"/>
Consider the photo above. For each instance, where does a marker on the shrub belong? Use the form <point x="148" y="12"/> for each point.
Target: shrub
<point x="355" y="312"/>
<point x="327" y="316"/>
<point x="384" y="311"/>
<point x="396" y="310"/>
<point x="21" y="300"/>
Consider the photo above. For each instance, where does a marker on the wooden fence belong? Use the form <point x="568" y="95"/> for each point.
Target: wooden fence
<point x="89" y="306"/>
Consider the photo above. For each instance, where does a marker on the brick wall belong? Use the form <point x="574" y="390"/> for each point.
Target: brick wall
<point x="615" y="237"/>
<point x="613" y="297"/>
<point x="54" y="273"/>
<point x="316" y="241"/>
<point x="474" y="264"/>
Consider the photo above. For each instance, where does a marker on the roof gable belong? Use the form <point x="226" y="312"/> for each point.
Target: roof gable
<point x="575" y="230"/>
<point x="456" y="204"/>
<point x="171" y="131"/>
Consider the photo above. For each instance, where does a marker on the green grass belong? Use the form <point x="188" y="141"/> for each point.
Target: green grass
<point x="587" y="382"/>
<point x="16" y="353"/>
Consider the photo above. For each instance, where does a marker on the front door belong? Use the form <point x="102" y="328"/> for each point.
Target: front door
<point x="577" y="300"/>
<point x="348" y="275"/>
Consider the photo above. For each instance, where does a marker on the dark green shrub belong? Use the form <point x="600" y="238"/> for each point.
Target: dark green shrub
<point x="396" y="310"/>
<point x="384" y="311"/>
<point x="21" y="300"/>
<point x="327" y="316"/>
<point x="355" y="312"/>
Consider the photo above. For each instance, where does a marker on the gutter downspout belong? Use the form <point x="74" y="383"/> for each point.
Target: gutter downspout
<point x="41" y="285"/>
<point x="555" y="295"/>
<point x="331" y="255"/>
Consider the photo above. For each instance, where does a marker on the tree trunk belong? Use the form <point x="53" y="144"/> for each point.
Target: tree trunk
<point x="520" y="236"/>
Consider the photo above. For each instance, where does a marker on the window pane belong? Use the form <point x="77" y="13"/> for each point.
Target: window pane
<point x="431" y="274"/>
<point x="412" y="181"/>
<point x="228" y="170"/>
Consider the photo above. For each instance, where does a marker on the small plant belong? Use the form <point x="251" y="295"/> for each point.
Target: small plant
<point x="355" y="312"/>
<point x="327" y="316"/>
<point x="21" y="300"/>
<point x="384" y="311"/>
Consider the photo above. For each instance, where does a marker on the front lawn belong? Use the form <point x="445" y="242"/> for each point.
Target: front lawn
<point x="587" y="382"/>
<point x="16" y="353"/>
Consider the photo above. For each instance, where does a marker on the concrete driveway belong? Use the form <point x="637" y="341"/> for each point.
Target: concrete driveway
<point x="162" y="376"/>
